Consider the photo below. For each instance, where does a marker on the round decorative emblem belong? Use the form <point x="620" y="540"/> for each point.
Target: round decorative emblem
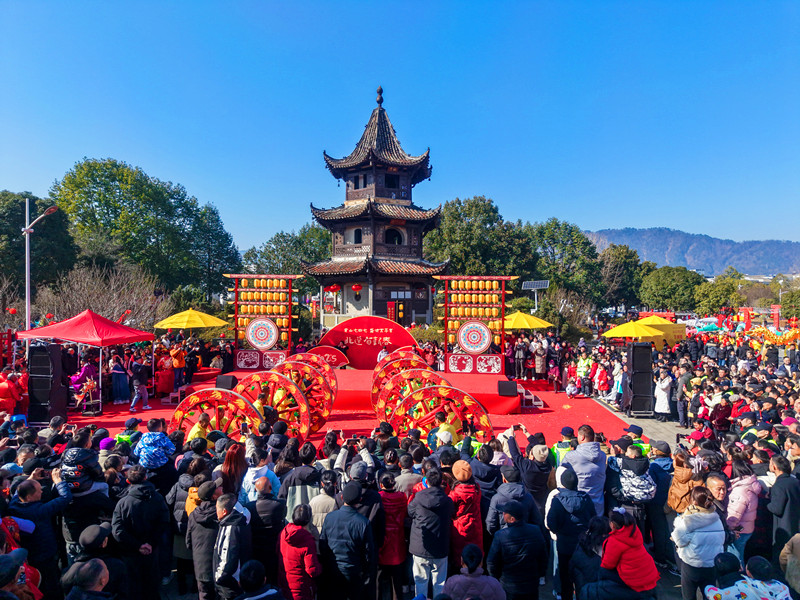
<point x="474" y="337"/>
<point x="262" y="334"/>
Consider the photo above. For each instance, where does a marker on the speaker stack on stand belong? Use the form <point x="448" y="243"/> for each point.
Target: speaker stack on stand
<point x="640" y="368"/>
<point x="47" y="393"/>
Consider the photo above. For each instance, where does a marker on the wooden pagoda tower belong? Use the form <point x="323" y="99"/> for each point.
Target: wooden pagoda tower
<point x="377" y="266"/>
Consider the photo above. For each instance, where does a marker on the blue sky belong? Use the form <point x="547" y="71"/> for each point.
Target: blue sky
<point x="607" y="114"/>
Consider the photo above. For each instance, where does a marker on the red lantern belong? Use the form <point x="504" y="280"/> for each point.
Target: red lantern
<point x="48" y="316"/>
<point x="12" y="311"/>
<point x="335" y="287"/>
<point x="127" y="312"/>
<point x="357" y="287"/>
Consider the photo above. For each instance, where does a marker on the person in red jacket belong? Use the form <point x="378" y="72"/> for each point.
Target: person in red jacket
<point x="467" y="523"/>
<point x="627" y="571"/>
<point x="392" y="555"/>
<point x="298" y="563"/>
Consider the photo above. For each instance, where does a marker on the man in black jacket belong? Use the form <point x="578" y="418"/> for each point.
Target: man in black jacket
<point x="266" y="523"/>
<point x="347" y="551"/>
<point x="232" y="548"/>
<point x="486" y="475"/>
<point x="534" y="467"/>
<point x="201" y="535"/>
<point x="431" y="513"/>
<point x="139" y="520"/>
<point x="369" y="504"/>
<point x="94" y="544"/>
<point x="518" y="556"/>
<point x="784" y="504"/>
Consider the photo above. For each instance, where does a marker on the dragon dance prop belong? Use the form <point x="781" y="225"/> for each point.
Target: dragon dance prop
<point x="407" y="394"/>
<point x="300" y="392"/>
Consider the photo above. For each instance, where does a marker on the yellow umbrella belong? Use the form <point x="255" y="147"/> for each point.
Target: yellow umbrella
<point x="632" y="329"/>
<point x="654" y="320"/>
<point x="190" y="319"/>
<point x="521" y="320"/>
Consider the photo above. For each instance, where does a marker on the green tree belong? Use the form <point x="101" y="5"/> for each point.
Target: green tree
<point x="119" y="213"/>
<point x="620" y="268"/>
<point x="711" y="296"/>
<point x="568" y="258"/>
<point x="281" y="254"/>
<point x="670" y="288"/>
<point x="214" y="251"/>
<point x="478" y="241"/>
<point x="53" y="250"/>
<point x="790" y="304"/>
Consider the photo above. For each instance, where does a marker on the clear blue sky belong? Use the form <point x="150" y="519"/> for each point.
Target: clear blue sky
<point x="607" y="114"/>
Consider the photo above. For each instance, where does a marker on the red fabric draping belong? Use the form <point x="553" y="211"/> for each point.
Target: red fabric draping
<point x="88" y="328"/>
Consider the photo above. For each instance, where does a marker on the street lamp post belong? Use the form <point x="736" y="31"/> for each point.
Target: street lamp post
<point x="27" y="231"/>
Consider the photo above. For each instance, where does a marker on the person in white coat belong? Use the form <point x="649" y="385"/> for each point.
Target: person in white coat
<point x="662" y="395"/>
<point x="699" y="536"/>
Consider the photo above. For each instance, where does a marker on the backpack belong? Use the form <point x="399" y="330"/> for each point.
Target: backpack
<point x="637" y="488"/>
<point x="80" y="468"/>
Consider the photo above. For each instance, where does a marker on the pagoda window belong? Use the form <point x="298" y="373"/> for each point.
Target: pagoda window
<point x="358" y="182"/>
<point x="392" y="181"/>
<point x="393" y="237"/>
<point x="357" y="237"/>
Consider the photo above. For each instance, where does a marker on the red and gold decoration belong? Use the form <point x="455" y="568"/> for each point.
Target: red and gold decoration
<point x="262" y="333"/>
<point x="473" y="306"/>
<point x="366" y="336"/>
<point x="407" y="394"/>
<point x="264" y="297"/>
<point x="227" y="409"/>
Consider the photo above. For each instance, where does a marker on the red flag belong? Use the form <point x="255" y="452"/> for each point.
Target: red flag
<point x="748" y="321"/>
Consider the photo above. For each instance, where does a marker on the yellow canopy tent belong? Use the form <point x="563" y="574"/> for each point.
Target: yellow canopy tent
<point x="521" y="320"/>
<point x="672" y="332"/>
<point x="190" y="319"/>
<point x="632" y="329"/>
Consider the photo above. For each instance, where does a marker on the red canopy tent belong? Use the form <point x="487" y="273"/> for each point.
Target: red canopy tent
<point x="88" y="328"/>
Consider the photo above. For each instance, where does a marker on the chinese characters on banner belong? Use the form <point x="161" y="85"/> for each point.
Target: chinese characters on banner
<point x="775" y="309"/>
<point x="365" y="337"/>
<point x="391" y="311"/>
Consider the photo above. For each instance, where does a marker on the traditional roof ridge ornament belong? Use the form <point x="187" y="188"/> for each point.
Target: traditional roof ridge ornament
<point x="379" y="144"/>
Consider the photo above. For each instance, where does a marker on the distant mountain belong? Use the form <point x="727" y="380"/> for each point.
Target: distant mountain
<point x="703" y="253"/>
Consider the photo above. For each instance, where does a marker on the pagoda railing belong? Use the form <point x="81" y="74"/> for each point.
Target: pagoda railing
<point x="395" y="250"/>
<point x="352" y="250"/>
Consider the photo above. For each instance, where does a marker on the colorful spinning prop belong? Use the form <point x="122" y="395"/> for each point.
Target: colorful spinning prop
<point x="404" y="352"/>
<point x="400" y="385"/>
<point x="262" y="333"/>
<point x="315" y="388"/>
<point x="281" y="394"/>
<point x="390" y="369"/>
<point x="417" y="411"/>
<point x="228" y="410"/>
<point x="321" y="365"/>
<point x="474" y="337"/>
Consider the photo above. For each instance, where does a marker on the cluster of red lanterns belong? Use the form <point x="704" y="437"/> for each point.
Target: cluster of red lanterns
<point x="333" y="288"/>
<point x="49" y="316"/>
<point x="12" y="311"/>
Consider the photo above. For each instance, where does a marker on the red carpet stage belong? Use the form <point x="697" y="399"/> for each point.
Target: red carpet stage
<point x="557" y="412"/>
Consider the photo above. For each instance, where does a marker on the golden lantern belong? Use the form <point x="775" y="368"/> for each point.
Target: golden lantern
<point x="283" y="283"/>
<point x="462" y="285"/>
<point x="451" y="337"/>
<point x="400" y="315"/>
<point x="473" y="311"/>
<point x="244" y="283"/>
<point x="481" y="298"/>
<point x="474" y="298"/>
<point x="284" y="296"/>
<point x="460" y="311"/>
<point x="256" y="283"/>
<point x="460" y="298"/>
<point x="497" y="340"/>
<point x="283" y="310"/>
<point x="495" y="312"/>
<point x="284" y="336"/>
<point x="481" y="285"/>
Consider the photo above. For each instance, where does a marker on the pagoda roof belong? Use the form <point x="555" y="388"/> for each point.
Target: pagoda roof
<point x="377" y="209"/>
<point x="379" y="144"/>
<point x="361" y="266"/>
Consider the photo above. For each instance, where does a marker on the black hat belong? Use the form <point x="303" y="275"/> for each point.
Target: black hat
<point x="567" y="432"/>
<point x="510" y="473"/>
<point x="93" y="536"/>
<point x="624" y="442"/>
<point x="206" y="490"/>
<point x="280" y="427"/>
<point x="513" y="508"/>
<point x="10" y="564"/>
<point x="351" y="493"/>
<point x="748" y="415"/>
<point x="132" y="423"/>
<point x="764" y="426"/>
<point x="634" y="429"/>
<point x="662" y="447"/>
<point x="386" y="428"/>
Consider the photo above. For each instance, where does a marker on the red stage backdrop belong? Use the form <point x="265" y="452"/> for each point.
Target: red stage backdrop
<point x="365" y="336"/>
<point x="333" y="356"/>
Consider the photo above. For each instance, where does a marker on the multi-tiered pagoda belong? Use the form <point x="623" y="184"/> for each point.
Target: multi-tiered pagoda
<point x="378" y="231"/>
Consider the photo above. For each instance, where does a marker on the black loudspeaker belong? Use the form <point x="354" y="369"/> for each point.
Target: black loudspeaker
<point x="640" y="359"/>
<point x="48" y="399"/>
<point x="642" y="384"/>
<point x="642" y="405"/>
<point x="226" y="382"/>
<point x="45" y="361"/>
<point x="507" y="388"/>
